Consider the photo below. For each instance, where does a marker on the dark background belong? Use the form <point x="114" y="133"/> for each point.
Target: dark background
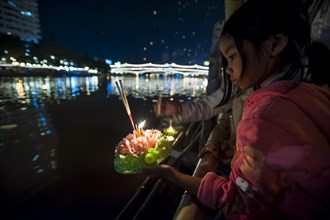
<point x="180" y="32"/>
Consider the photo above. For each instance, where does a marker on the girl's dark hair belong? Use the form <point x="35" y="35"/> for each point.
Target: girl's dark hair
<point x="257" y="20"/>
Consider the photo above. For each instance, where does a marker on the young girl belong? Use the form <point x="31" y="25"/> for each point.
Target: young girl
<point x="281" y="168"/>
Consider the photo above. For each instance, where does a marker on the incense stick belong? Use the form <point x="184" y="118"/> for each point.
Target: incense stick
<point x="124" y="98"/>
<point x="124" y="95"/>
<point x="159" y="104"/>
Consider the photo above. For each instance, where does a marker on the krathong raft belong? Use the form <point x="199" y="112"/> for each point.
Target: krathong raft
<point x="140" y="149"/>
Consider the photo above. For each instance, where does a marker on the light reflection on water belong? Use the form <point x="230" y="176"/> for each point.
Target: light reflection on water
<point x="140" y="86"/>
<point x="38" y="89"/>
<point x="28" y="139"/>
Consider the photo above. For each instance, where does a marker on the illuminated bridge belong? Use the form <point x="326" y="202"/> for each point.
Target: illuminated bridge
<point x="171" y="69"/>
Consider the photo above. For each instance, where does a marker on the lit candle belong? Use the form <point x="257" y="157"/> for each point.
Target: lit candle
<point x="170" y="131"/>
<point x="140" y="128"/>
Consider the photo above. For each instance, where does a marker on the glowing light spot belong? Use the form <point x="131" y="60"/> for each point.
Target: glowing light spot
<point x="12" y="3"/>
<point x="27" y="13"/>
<point x="36" y="157"/>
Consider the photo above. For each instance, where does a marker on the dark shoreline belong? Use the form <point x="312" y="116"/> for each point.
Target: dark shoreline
<point x="21" y="72"/>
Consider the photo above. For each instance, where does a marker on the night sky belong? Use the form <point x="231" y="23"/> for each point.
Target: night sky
<point x="161" y="31"/>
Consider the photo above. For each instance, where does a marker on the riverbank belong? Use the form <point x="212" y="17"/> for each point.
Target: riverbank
<point x="42" y="72"/>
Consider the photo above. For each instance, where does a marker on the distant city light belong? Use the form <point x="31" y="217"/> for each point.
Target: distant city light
<point x="27" y="13"/>
<point x="11" y="3"/>
<point x="188" y="70"/>
<point x="109" y="62"/>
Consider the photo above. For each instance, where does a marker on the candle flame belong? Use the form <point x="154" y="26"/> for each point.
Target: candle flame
<point x="142" y="124"/>
<point x="170" y="131"/>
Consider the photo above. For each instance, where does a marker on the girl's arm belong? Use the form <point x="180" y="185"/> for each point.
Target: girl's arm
<point x="170" y="174"/>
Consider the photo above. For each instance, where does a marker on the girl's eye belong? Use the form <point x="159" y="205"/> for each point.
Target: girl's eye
<point x="232" y="56"/>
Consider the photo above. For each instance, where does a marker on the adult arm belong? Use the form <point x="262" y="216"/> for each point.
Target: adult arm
<point x="202" y="109"/>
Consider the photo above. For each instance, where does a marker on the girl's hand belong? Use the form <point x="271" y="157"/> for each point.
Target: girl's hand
<point x="170" y="174"/>
<point x="163" y="171"/>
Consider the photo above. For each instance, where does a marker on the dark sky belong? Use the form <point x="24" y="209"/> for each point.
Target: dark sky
<point x="162" y="31"/>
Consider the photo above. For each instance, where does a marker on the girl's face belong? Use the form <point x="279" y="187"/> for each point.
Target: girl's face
<point x="258" y="67"/>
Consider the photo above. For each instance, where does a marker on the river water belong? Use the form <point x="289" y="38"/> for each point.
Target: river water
<point x="57" y="138"/>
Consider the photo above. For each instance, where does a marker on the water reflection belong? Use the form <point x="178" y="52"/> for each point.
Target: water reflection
<point x="28" y="140"/>
<point x="32" y="90"/>
<point x="149" y="86"/>
<point x="27" y="148"/>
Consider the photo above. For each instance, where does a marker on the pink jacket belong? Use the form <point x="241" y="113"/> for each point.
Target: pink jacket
<point x="282" y="168"/>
